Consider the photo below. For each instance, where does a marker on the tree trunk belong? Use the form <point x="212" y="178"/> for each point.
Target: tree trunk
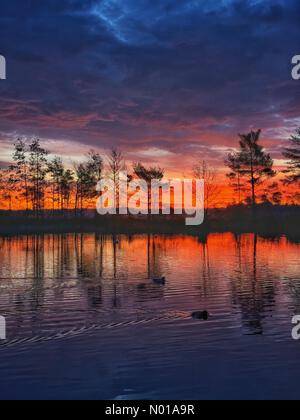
<point x="149" y="200"/>
<point x="253" y="193"/>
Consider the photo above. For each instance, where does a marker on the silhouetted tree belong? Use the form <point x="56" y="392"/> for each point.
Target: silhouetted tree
<point x="272" y="195"/>
<point x="80" y="174"/>
<point x="37" y="174"/>
<point x="211" y="186"/>
<point x="292" y="153"/>
<point x="255" y="164"/>
<point x="56" y="170"/>
<point x="61" y="185"/>
<point x="88" y="174"/>
<point x="116" y="165"/>
<point x="67" y="181"/>
<point x="277" y="198"/>
<point x="21" y="167"/>
<point x="148" y="175"/>
<point x="235" y="175"/>
<point x="8" y="182"/>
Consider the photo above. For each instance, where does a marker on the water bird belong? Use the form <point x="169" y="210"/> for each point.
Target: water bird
<point x="203" y="315"/>
<point x="160" y="280"/>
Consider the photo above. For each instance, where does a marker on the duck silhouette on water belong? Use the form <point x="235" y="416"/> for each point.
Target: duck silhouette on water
<point x="160" y="280"/>
<point x="200" y="315"/>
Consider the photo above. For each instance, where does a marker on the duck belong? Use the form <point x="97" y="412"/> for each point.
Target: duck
<point x="203" y="315"/>
<point x="160" y="280"/>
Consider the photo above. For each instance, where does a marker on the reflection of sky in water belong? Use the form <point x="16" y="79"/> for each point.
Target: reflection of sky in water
<point x="55" y="284"/>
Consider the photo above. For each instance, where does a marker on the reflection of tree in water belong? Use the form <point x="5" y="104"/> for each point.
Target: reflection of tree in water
<point x="253" y="289"/>
<point x="89" y="255"/>
<point x="19" y="308"/>
<point x="148" y="291"/>
<point x="83" y="269"/>
<point x="155" y="249"/>
<point x="62" y="245"/>
<point x="206" y="269"/>
<point x="97" y="274"/>
<point x="208" y="273"/>
<point x="94" y="296"/>
<point x="293" y="288"/>
<point x="38" y="264"/>
<point x="75" y="272"/>
<point x="37" y="294"/>
<point x="26" y="292"/>
<point x="115" y="281"/>
<point x="89" y="266"/>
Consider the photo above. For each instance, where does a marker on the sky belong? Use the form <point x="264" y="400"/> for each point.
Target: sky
<point x="166" y="81"/>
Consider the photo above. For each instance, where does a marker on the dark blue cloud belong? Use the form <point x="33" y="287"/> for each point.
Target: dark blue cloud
<point x="148" y="73"/>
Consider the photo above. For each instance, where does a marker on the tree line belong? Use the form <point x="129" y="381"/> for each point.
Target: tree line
<point x="40" y="183"/>
<point x="43" y="183"/>
<point x="251" y="166"/>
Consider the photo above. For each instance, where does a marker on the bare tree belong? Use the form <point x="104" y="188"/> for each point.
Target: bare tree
<point x="212" y="188"/>
<point x="116" y="165"/>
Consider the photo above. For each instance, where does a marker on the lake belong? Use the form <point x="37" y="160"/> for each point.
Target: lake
<point x="86" y="321"/>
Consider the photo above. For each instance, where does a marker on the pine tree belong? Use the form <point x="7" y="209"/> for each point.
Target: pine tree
<point x="255" y="165"/>
<point x="8" y="183"/>
<point x="235" y="176"/>
<point x="37" y="174"/>
<point x="148" y="175"/>
<point x="55" y="169"/>
<point x="66" y="186"/>
<point x="21" y="168"/>
<point x="88" y="174"/>
<point x="292" y="153"/>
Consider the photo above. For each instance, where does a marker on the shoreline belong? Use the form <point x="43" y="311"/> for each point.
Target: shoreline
<point x="272" y="222"/>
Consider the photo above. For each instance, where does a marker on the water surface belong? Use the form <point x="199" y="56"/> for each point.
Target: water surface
<point x="85" y="320"/>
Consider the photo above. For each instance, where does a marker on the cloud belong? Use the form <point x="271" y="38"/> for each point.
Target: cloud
<point x="149" y="75"/>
